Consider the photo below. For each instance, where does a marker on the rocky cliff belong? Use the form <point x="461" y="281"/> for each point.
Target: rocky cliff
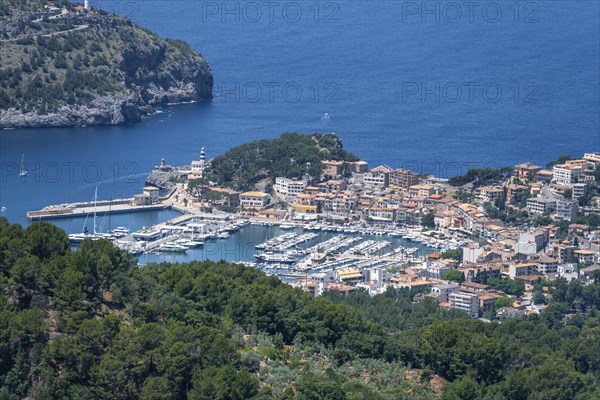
<point x="78" y="68"/>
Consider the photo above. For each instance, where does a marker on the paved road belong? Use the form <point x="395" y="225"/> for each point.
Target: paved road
<point x="77" y="28"/>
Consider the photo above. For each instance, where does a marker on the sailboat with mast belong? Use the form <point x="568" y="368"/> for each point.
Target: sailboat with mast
<point x="80" y="237"/>
<point x="22" y="170"/>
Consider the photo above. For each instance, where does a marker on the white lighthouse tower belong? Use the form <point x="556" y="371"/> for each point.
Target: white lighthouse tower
<point x="86" y="5"/>
<point x="197" y="170"/>
<point x="202" y="156"/>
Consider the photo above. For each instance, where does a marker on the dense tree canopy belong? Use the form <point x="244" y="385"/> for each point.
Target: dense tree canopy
<point x="90" y="323"/>
<point x="292" y="155"/>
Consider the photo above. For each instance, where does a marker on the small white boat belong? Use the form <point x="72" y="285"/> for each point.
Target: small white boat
<point x="121" y="230"/>
<point x="286" y="226"/>
<point x="22" y="170"/>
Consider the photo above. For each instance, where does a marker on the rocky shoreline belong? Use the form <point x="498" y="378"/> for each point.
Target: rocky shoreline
<point x="166" y="180"/>
<point x="187" y="81"/>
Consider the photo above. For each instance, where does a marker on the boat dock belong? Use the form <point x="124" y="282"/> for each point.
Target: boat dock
<point x="84" y="208"/>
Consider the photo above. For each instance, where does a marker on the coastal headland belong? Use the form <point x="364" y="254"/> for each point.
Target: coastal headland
<point x="65" y="65"/>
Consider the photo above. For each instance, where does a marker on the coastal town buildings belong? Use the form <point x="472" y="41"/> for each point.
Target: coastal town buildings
<point x="546" y="240"/>
<point x="254" y="199"/>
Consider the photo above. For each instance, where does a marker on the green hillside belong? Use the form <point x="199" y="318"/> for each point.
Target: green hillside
<point x="51" y="61"/>
<point x="292" y="155"/>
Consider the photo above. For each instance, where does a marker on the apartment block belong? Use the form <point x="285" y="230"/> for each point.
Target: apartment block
<point x="377" y="177"/>
<point x="289" y="187"/>
<point x="403" y="179"/>
<point x="566" y="174"/>
<point x="578" y="190"/>
<point x="540" y="205"/>
<point x="488" y="194"/>
<point x="524" y="269"/>
<point x="421" y="191"/>
<point x="254" y="199"/>
<point x="468" y="302"/>
<point x="332" y="168"/>
<point x="441" y="291"/>
<point x="547" y="265"/>
<point x="566" y="210"/>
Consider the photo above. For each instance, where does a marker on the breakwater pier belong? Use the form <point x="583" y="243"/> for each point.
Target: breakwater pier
<point x="71" y="210"/>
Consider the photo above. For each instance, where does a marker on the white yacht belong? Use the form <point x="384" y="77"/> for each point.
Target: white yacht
<point x="172" y="247"/>
<point x="286" y="226"/>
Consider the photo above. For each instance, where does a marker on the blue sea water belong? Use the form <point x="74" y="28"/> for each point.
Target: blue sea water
<point x="434" y="86"/>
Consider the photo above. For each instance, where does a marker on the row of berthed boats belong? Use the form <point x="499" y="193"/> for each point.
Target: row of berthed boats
<point x="181" y="244"/>
<point x="285" y="249"/>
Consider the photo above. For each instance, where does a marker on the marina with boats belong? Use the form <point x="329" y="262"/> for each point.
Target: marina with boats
<point x="271" y="246"/>
<point x="285" y="247"/>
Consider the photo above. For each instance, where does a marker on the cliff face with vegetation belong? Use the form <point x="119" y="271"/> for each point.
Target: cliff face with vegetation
<point x="81" y="68"/>
<point x="290" y="156"/>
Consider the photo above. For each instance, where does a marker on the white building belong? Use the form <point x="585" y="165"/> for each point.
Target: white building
<point x="568" y="271"/>
<point x="593" y="159"/>
<point x="531" y="242"/>
<point x="152" y="193"/>
<point x="565" y="174"/>
<point x="468" y="302"/>
<point x="578" y="190"/>
<point x="540" y="205"/>
<point x="444" y="290"/>
<point x="289" y="187"/>
<point x="254" y="199"/>
<point x="197" y="170"/>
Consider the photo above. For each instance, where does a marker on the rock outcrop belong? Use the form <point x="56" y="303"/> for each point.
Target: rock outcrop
<point x="141" y="70"/>
<point x="166" y="180"/>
